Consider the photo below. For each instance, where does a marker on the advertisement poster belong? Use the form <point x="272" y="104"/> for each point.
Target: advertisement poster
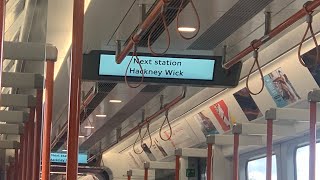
<point x="135" y="160"/>
<point x="158" y="148"/>
<point x="223" y="115"/>
<point x="205" y="122"/>
<point x="280" y="88"/>
<point x="309" y="58"/>
<point x="247" y="104"/>
<point x="182" y="136"/>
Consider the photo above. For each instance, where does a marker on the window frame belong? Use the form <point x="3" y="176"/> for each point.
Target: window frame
<point x="245" y="158"/>
<point x="301" y="145"/>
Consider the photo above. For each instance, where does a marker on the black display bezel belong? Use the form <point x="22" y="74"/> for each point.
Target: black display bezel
<point x="221" y="77"/>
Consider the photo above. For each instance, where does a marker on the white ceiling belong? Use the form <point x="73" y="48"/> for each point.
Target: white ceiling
<point x="107" y="21"/>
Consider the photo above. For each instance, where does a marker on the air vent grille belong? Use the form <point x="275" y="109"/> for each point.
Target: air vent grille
<point x="170" y="13"/>
<point x="233" y="19"/>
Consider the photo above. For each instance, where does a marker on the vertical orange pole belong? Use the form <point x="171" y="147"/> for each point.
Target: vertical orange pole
<point x="209" y="162"/>
<point x="129" y="177"/>
<point x="177" y="177"/>
<point x="236" y="157"/>
<point x="75" y="89"/>
<point x="46" y="149"/>
<point x="31" y="144"/>
<point x="269" y="148"/>
<point x="21" y="156"/>
<point x="146" y="173"/>
<point x="16" y="164"/>
<point x="8" y="175"/>
<point x="313" y="130"/>
<point x="25" y="150"/>
<point x="37" y="137"/>
<point x="2" y="22"/>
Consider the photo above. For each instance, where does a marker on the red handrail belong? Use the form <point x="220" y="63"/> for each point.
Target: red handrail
<point x="269" y="149"/>
<point x="209" y="162"/>
<point x="277" y="30"/>
<point x="236" y="157"/>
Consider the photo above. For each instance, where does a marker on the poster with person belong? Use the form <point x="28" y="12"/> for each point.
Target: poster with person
<point x="222" y="113"/>
<point x="280" y="88"/>
<point x="247" y="104"/>
<point x="309" y="59"/>
<point x="205" y="122"/>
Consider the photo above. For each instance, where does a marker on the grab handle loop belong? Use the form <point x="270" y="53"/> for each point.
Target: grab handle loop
<point x="198" y="20"/>
<point x="168" y="39"/>
<point x="134" y="58"/>
<point x="170" y="128"/>
<point x="139" y="137"/>
<point x="256" y="61"/>
<point x="309" y="20"/>
<point x="149" y="134"/>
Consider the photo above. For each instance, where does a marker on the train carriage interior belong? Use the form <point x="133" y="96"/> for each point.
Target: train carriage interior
<point x="159" y="90"/>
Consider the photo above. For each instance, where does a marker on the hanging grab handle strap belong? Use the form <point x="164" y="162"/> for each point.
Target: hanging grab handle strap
<point x="166" y="119"/>
<point x="309" y="20"/>
<point x="197" y="16"/>
<point x="256" y="61"/>
<point x="134" y="58"/>
<point x="168" y="38"/>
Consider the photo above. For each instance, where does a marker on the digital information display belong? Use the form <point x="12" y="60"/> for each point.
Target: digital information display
<point x="176" y="70"/>
<point x="158" y="67"/>
<point x="62" y="158"/>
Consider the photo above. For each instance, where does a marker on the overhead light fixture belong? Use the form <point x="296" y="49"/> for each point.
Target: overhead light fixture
<point x="115" y="101"/>
<point x="186" y="29"/>
<point x="64" y="150"/>
<point x="89" y="127"/>
<point x="81" y="136"/>
<point x="101" y="115"/>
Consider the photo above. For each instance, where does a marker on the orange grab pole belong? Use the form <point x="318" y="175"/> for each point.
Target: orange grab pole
<point x="129" y="177"/>
<point x="146" y="173"/>
<point x="269" y="148"/>
<point x="177" y="173"/>
<point x="75" y="89"/>
<point x="209" y="162"/>
<point x="46" y="149"/>
<point x="143" y="27"/>
<point x="21" y="156"/>
<point x="277" y="30"/>
<point x="312" y="153"/>
<point x="236" y="157"/>
<point x="25" y="151"/>
<point x="31" y="144"/>
<point x="37" y="136"/>
<point x="8" y="175"/>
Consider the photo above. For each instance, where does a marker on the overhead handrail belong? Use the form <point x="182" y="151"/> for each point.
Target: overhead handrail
<point x="277" y="30"/>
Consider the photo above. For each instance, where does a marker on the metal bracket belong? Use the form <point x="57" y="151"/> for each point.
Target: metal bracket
<point x="129" y="173"/>
<point x="143" y="12"/>
<point x="314" y="95"/>
<point x="146" y="165"/>
<point x="237" y="129"/>
<point x="271" y="114"/>
<point x="118" y="47"/>
<point x="178" y="152"/>
<point x="211" y="139"/>
<point x="267" y="27"/>
<point x="224" y="56"/>
<point x="161" y="101"/>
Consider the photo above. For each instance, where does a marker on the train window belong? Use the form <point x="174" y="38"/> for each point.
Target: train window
<point x="302" y="162"/>
<point x="256" y="169"/>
